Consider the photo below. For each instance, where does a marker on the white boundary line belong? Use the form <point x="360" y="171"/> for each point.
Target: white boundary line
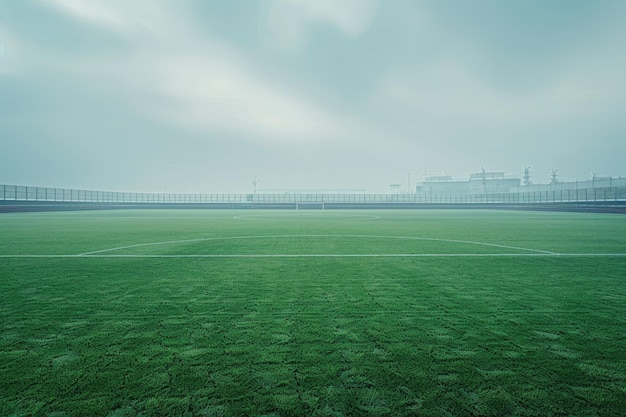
<point x="315" y="236"/>
<point x="321" y="255"/>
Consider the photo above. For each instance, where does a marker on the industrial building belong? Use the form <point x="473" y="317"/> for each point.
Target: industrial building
<point x="478" y="183"/>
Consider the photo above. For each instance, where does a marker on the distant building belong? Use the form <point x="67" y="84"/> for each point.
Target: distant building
<point x="478" y="183"/>
<point x="312" y="191"/>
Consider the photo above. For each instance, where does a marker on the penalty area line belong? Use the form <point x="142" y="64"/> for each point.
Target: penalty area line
<point x="408" y="238"/>
<point x="321" y="255"/>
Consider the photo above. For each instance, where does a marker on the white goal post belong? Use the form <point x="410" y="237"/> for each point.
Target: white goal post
<point x="311" y="206"/>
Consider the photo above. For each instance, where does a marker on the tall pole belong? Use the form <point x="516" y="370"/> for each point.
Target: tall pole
<point x="593" y="179"/>
<point x="254" y="183"/>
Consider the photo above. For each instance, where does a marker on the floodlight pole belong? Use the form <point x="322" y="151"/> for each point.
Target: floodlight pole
<point x="593" y="179"/>
<point x="254" y="184"/>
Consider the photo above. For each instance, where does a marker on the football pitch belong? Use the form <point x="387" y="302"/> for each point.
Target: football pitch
<point x="319" y="313"/>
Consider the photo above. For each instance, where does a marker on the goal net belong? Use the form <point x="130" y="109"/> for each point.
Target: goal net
<point x="310" y="206"/>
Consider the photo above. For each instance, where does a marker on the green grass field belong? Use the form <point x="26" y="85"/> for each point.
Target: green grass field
<point x="321" y="313"/>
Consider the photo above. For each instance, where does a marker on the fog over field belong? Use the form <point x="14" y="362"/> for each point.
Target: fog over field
<point x="202" y="96"/>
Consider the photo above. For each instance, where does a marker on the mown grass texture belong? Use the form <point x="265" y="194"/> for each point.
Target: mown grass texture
<point x="472" y="335"/>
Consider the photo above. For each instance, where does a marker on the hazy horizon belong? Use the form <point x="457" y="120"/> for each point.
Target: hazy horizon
<point x="202" y="96"/>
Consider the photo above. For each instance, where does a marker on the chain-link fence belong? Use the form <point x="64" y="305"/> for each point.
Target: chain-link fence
<point x="605" y="190"/>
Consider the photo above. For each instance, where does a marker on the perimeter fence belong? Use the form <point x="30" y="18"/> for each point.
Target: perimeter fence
<point x="601" y="192"/>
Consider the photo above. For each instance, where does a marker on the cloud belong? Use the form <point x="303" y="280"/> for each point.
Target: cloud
<point x="131" y="18"/>
<point x="448" y="89"/>
<point x="564" y="72"/>
<point x="96" y="12"/>
<point x="218" y="94"/>
<point x="201" y="83"/>
<point x="9" y="45"/>
<point x="288" y="22"/>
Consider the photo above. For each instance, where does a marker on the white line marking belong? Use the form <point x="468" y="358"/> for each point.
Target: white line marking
<point x="315" y="236"/>
<point x="322" y="255"/>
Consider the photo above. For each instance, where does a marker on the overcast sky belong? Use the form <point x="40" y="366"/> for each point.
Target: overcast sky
<point x="201" y="96"/>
